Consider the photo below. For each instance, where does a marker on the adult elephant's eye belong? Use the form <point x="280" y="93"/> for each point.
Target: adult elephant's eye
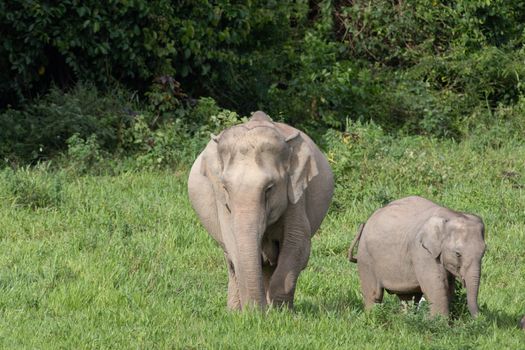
<point x="268" y="190"/>
<point x="226" y="198"/>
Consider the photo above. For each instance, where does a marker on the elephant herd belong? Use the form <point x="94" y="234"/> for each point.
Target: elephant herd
<point x="261" y="189"/>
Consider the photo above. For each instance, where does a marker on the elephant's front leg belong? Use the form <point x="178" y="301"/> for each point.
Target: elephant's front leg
<point x="292" y="261"/>
<point x="234" y="300"/>
<point x="433" y="280"/>
<point x="293" y="258"/>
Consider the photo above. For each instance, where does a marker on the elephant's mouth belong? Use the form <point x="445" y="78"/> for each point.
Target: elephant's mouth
<point x="455" y="271"/>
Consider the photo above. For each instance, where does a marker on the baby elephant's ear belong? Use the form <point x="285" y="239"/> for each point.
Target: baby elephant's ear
<point x="432" y="234"/>
<point x="303" y="167"/>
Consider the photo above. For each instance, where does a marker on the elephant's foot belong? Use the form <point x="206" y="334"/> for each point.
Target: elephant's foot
<point x="234" y="304"/>
<point x="282" y="303"/>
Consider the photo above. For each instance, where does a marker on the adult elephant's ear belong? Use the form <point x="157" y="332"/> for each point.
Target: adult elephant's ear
<point x="210" y="157"/>
<point x="303" y="167"/>
<point x="432" y="234"/>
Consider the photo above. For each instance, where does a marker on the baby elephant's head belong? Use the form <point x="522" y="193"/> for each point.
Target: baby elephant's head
<point x="458" y="241"/>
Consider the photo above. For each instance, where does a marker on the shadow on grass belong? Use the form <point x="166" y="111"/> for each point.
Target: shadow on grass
<point x="502" y="319"/>
<point x="459" y="311"/>
<point x="390" y="315"/>
<point x="340" y="307"/>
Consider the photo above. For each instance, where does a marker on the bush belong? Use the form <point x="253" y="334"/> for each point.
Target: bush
<point x="83" y="155"/>
<point x="33" y="188"/>
<point x="41" y="129"/>
<point x="176" y="142"/>
<point x="384" y="31"/>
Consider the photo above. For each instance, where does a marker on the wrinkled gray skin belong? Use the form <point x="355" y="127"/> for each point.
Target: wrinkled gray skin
<point x="261" y="189"/>
<point x="413" y="246"/>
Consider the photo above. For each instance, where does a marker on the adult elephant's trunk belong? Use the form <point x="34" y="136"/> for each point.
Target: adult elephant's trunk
<point x="472" y="285"/>
<point x="247" y="230"/>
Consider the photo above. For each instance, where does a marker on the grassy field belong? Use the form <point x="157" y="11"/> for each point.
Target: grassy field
<point x="121" y="261"/>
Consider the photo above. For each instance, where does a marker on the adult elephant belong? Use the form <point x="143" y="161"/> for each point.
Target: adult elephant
<point x="261" y="189"/>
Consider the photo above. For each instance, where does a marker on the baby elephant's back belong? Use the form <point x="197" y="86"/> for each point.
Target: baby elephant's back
<point x="391" y="227"/>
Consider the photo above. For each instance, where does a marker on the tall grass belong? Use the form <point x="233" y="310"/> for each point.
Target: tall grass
<point x="122" y="261"/>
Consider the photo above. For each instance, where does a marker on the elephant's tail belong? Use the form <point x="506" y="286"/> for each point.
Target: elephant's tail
<point x="354" y="243"/>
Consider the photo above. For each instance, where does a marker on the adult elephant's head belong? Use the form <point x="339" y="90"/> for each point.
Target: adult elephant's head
<point x="458" y="240"/>
<point x="260" y="172"/>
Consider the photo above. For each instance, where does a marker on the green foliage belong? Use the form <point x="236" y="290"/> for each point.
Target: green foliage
<point x="211" y="119"/>
<point x="92" y="130"/>
<point x="40" y="130"/>
<point x="489" y="75"/>
<point x="323" y="90"/>
<point x="176" y="142"/>
<point x="462" y="61"/>
<point x="135" y="41"/>
<point x="156" y="147"/>
<point x="312" y="64"/>
<point x="83" y="155"/>
<point x="70" y="41"/>
<point x="233" y="51"/>
<point x="400" y="33"/>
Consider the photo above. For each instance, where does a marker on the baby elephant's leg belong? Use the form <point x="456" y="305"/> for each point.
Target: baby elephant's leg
<point x="371" y="288"/>
<point x="434" y="284"/>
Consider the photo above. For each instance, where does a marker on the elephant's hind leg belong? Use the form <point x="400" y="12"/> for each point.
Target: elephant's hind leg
<point x="267" y="275"/>
<point x="370" y="287"/>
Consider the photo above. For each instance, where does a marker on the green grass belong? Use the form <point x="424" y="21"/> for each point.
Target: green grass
<point x="122" y="262"/>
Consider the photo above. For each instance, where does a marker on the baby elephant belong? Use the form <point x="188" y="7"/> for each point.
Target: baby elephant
<point x="413" y="246"/>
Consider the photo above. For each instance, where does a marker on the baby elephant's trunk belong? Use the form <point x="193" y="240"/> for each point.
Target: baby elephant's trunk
<point x="472" y="284"/>
<point x="356" y="239"/>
